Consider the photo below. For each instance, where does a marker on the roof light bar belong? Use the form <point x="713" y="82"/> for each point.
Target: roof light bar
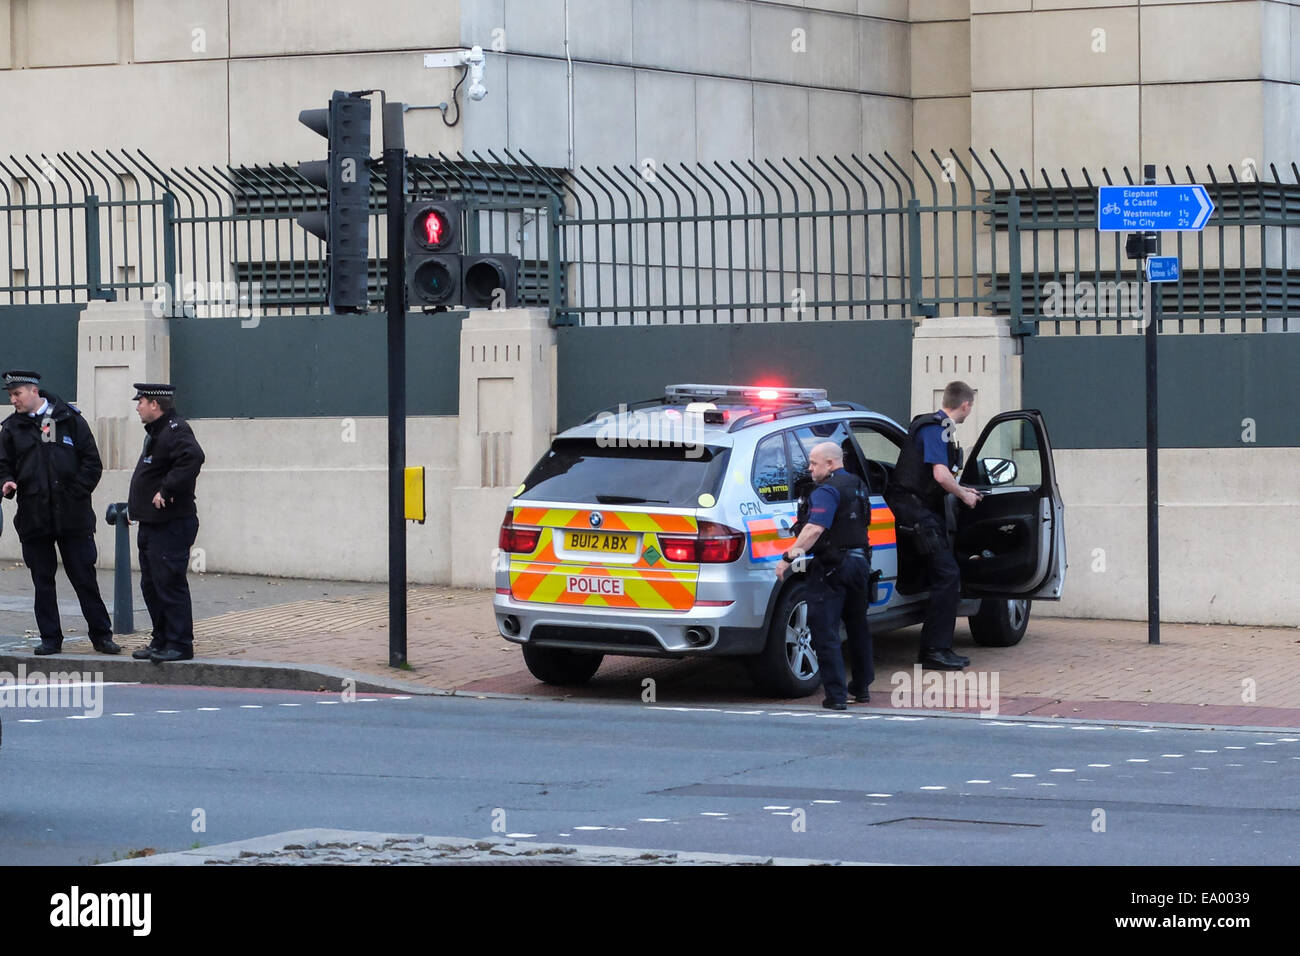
<point x="750" y="393"/>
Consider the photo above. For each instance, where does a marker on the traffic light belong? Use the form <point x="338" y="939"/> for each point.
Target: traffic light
<point x="440" y="273"/>
<point x="433" y="244"/>
<point x="345" y="225"/>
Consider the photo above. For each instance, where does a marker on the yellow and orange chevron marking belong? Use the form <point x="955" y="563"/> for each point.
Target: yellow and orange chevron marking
<point x="542" y="577"/>
<point x="612" y="520"/>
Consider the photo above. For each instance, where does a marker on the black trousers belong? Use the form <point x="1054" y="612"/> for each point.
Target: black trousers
<point x="164" y="548"/>
<point x="841" y="594"/>
<point x="79" y="554"/>
<point x="944" y="578"/>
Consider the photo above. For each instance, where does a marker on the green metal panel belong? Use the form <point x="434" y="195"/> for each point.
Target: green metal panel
<point x="1092" y="389"/>
<point x="42" y="338"/>
<point x="311" y="365"/>
<point x="863" y="361"/>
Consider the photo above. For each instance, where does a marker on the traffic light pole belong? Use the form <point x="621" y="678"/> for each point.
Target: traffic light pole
<point x="395" y="171"/>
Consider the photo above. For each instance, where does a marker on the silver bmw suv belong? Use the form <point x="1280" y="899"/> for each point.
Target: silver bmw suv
<point x="652" y="530"/>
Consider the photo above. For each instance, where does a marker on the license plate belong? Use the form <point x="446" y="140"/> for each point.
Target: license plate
<point x="603" y="542"/>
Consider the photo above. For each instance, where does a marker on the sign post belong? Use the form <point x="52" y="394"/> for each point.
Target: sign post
<point x="1152" y="209"/>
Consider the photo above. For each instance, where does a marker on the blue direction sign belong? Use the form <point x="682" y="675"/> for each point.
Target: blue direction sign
<point x="1153" y="208"/>
<point x="1162" y="269"/>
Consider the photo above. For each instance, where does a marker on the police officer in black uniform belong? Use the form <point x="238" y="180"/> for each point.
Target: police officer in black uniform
<point x="161" y="500"/>
<point x="833" y="533"/>
<point x="916" y="494"/>
<point x="48" y="457"/>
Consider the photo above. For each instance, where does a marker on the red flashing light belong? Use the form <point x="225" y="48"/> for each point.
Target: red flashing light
<point x="716" y="544"/>
<point x="769" y="394"/>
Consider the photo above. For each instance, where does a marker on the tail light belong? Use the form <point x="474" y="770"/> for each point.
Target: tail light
<point x="715" y="544"/>
<point x="515" y="540"/>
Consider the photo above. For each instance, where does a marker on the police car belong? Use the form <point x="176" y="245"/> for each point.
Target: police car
<point x="654" y="529"/>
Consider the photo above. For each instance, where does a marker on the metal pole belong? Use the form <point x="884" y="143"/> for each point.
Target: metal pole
<point x="395" y="168"/>
<point x="123" y="599"/>
<point x="1153" y="446"/>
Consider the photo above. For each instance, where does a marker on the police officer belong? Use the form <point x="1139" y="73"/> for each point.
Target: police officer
<point x="833" y="533"/>
<point x="161" y="499"/>
<point x="923" y="476"/>
<point x="48" y="457"/>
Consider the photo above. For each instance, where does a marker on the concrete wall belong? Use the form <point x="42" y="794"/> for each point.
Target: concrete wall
<point x="1228" y="529"/>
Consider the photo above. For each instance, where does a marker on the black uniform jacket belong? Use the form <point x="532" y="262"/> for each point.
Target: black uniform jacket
<point x="54" y="461"/>
<point x="169" y="463"/>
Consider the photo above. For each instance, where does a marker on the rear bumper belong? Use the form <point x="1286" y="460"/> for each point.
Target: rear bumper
<point x="706" y="631"/>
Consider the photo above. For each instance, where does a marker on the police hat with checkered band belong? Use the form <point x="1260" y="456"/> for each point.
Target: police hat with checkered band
<point x="154" y="391"/>
<point x="16" y="377"/>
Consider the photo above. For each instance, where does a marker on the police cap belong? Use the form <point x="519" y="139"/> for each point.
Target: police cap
<point x="153" y="390"/>
<point x="18" y="377"/>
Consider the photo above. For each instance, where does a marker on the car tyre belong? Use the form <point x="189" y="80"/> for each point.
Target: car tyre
<point x="787" y="665"/>
<point x="999" y="623"/>
<point x="559" y="665"/>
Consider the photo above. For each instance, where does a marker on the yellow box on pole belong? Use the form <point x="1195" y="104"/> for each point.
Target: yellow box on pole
<point x="415" y="493"/>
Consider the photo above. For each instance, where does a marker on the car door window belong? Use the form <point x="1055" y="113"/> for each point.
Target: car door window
<point x="880" y="451"/>
<point x="771" y="475"/>
<point x="808" y="437"/>
<point x="1009" y="456"/>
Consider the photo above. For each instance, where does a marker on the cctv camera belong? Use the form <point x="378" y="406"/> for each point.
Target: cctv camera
<point x="474" y="59"/>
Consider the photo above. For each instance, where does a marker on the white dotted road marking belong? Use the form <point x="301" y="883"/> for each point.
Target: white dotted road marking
<point x="836" y="801"/>
<point x="653" y="820"/>
<point x="124" y="715"/>
<point x="1137" y="760"/>
<point x="1098" y="765"/>
<point x="250" y="706"/>
<point x="29" y="720"/>
<point x="1062" y="770"/>
<point x="166" y="711"/>
<point x="1171" y="755"/>
<point x="1207" y="751"/>
<point x="712" y="813"/>
<point x="1025" y="775"/>
<point x="520" y="836"/>
<point x="934" y="788"/>
<point x="329" y="702"/>
<point x="207" y="708"/>
<point x="880" y="794"/>
<point x="299" y="705"/>
<point x="776" y="807"/>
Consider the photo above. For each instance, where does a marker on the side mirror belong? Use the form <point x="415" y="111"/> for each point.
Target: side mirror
<point x="998" y="471"/>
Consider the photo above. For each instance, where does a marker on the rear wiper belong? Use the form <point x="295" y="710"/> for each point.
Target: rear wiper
<point x="628" y="500"/>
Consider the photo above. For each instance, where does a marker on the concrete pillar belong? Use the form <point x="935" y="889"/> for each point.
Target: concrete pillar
<point x="507" y="418"/>
<point x="978" y="350"/>
<point x="118" y="343"/>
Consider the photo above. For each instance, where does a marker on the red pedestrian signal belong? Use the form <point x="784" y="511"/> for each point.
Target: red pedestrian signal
<point x="433" y="229"/>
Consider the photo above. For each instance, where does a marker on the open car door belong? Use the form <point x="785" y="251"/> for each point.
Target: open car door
<point x="1012" y="544"/>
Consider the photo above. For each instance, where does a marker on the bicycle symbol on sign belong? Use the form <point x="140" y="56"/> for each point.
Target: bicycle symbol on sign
<point x="1110" y="209"/>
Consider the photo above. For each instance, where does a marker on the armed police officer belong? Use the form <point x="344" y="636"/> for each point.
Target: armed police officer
<point x="161" y="500"/>
<point x="833" y="534"/>
<point x="48" y="457"/>
<point x="916" y="494"/>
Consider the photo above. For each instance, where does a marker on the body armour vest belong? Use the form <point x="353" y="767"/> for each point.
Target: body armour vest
<point x="912" y="473"/>
<point x="849" y="525"/>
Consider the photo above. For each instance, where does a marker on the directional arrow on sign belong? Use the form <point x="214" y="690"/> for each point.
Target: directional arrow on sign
<point x="1172" y="208"/>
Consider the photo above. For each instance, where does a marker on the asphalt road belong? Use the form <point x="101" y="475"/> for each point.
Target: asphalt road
<point x="798" y="782"/>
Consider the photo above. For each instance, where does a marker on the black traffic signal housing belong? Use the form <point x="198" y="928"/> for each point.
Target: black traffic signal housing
<point x="439" y="273"/>
<point x="344" y="227"/>
<point x="433" y="245"/>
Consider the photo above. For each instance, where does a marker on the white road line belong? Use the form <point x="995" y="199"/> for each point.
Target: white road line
<point x="934" y="788"/>
<point x="520" y="836"/>
<point x="328" y="702"/>
<point x="29" y="720"/>
<point x="880" y="794"/>
<point x="1062" y="770"/>
<point x="979" y="781"/>
<point x="836" y="801"/>
<point x="653" y="820"/>
<point x="1137" y="760"/>
<point x="124" y="715"/>
<point x="299" y="705"/>
<point x="250" y="706"/>
<point x="1171" y="755"/>
<point x="1024" y="775"/>
<point x="1234" y="748"/>
<point x="207" y="708"/>
<point x="81" y="717"/>
<point x="1236" y="765"/>
<point x="166" y="711"/>
<point x="712" y="813"/>
<point x="1098" y="765"/>
<point x="776" y="807"/>
<point x="1265" y="743"/>
<point x="1207" y="751"/>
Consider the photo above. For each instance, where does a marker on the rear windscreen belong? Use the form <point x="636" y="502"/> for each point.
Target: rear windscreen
<point x="581" y="470"/>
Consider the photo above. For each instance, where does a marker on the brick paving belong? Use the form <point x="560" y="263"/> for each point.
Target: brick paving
<point x="1063" y="668"/>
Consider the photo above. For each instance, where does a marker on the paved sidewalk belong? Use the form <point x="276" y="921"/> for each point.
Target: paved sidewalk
<point x="1083" y="669"/>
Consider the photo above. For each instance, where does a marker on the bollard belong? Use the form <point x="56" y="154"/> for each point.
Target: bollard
<point x="123" y="599"/>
